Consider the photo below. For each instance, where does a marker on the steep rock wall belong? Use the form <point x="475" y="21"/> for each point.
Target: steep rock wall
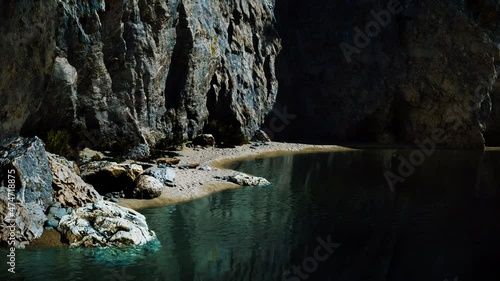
<point x="121" y="73"/>
<point x="432" y="65"/>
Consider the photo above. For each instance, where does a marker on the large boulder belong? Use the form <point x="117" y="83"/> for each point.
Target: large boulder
<point x="109" y="177"/>
<point x="147" y="187"/>
<point x="205" y="140"/>
<point x="103" y="224"/>
<point x="70" y="189"/>
<point x="28" y="159"/>
<point x="24" y="199"/>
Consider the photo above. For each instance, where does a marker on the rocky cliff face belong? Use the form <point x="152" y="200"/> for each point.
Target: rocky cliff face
<point x="121" y="73"/>
<point x="117" y="74"/>
<point x="427" y="64"/>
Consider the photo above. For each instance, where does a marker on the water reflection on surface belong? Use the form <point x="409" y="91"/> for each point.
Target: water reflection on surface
<point x="442" y="222"/>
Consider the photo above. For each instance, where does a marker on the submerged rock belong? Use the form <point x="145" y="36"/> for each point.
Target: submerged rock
<point x="147" y="187"/>
<point x="104" y="224"/>
<point x="70" y="189"/>
<point x="246" y="180"/>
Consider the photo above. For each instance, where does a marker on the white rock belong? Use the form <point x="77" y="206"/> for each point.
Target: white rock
<point x="105" y="224"/>
<point x="246" y="180"/>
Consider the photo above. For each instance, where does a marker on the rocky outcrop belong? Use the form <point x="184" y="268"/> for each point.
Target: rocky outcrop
<point x="27" y="160"/>
<point x="25" y="190"/>
<point x="127" y="75"/>
<point x="105" y="224"/>
<point x="70" y="190"/>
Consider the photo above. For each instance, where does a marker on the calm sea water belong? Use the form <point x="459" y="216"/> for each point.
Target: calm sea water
<point x="327" y="216"/>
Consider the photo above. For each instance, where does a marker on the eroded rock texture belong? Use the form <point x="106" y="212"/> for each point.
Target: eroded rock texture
<point x="25" y="161"/>
<point x="131" y="75"/>
<point x="104" y="224"/>
<point x="25" y="190"/>
<point x="122" y="73"/>
<point x="69" y="188"/>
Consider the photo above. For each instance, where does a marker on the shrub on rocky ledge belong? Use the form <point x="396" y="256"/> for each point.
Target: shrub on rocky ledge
<point x="58" y="142"/>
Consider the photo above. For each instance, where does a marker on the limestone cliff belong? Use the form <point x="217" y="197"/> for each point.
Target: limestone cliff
<point x="117" y="73"/>
<point x="120" y="73"/>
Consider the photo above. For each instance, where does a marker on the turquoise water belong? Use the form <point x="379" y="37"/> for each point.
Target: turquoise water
<point x="442" y="222"/>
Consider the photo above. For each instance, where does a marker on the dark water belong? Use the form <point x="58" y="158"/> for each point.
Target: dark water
<point x="442" y="223"/>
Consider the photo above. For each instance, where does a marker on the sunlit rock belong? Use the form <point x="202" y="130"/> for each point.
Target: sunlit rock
<point x="104" y="224"/>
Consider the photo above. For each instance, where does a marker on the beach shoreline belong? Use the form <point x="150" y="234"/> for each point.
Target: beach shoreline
<point x="192" y="184"/>
<point x="195" y="183"/>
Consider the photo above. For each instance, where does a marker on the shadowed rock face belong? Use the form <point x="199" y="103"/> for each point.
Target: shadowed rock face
<point x="122" y="73"/>
<point x="119" y="74"/>
<point x="433" y="65"/>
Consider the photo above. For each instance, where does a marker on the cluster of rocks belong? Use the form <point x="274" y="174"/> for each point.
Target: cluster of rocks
<point x="51" y="191"/>
<point x="79" y="201"/>
<point x="129" y="180"/>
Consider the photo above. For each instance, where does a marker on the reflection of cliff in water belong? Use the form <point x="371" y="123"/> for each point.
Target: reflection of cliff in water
<point x="440" y="223"/>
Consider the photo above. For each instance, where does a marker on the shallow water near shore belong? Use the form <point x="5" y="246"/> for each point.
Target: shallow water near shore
<point x="326" y="216"/>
